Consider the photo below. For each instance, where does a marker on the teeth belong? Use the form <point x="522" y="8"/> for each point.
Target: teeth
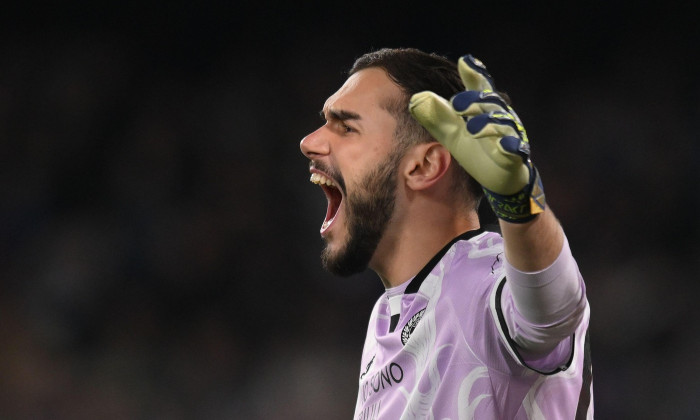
<point x="319" y="179"/>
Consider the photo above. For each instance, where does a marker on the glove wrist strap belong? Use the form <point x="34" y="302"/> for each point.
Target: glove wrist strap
<point x="522" y="206"/>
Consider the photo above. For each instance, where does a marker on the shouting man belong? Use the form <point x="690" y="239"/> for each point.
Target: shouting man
<point x="473" y="324"/>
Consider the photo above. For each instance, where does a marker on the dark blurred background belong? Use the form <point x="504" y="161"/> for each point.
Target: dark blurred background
<point x="159" y="237"/>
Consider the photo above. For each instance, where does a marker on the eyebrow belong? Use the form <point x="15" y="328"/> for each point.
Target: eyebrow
<point x="340" y="115"/>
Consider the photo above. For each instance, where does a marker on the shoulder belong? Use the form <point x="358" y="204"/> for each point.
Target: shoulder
<point x="480" y="256"/>
<point x="486" y="243"/>
<point x="470" y="269"/>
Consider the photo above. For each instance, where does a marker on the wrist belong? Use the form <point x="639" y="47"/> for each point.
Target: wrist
<point x="522" y="206"/>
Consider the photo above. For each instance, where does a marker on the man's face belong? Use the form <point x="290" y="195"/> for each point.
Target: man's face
<point x="353" y="158"/>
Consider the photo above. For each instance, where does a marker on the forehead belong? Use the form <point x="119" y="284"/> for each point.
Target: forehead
<point x="369" y="88"/>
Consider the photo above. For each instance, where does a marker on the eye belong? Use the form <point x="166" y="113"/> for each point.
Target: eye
<point x="346" y="128"/>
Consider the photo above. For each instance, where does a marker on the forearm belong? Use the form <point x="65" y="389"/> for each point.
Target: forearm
<point x="545" y="306"/>
<point x="534" y="245"/>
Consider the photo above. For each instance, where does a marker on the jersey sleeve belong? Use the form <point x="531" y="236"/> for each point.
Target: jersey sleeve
<point x="539" y="312"/>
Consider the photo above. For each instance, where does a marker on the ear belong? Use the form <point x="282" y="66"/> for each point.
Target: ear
<point x="426" y="164"/>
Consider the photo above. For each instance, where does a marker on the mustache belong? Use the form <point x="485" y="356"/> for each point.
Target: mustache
<point x="332" y="172"/>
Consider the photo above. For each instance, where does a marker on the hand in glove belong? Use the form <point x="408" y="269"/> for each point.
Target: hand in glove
<point x="484" y="134"/>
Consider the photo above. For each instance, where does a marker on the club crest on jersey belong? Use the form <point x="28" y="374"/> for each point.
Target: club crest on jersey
<point x="410" y="326"/>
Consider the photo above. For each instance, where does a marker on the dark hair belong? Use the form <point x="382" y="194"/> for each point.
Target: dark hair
<point x="416" y="71"/>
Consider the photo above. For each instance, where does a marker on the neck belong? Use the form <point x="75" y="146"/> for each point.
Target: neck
<point x="413" y="239"/>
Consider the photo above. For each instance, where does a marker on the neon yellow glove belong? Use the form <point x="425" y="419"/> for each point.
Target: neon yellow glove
<point x="486" y="137"/>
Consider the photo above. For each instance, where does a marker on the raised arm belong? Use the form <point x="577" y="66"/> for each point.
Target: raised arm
<point x="534" y="245"/>
<point x="485" y="135"/>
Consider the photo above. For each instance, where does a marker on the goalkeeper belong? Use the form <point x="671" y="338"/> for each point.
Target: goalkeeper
<point x="473" y="324"/>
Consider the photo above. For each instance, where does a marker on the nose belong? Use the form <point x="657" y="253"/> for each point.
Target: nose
<point x="314" y="144"/>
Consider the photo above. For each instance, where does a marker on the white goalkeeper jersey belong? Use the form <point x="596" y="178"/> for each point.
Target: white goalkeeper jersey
<point x="448" y="352"/>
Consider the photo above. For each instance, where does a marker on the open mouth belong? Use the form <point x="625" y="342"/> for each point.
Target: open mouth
<point x="333" y="195"/>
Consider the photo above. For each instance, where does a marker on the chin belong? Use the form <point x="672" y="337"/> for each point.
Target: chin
<point x="344" y="262"/>
<point x="347" y="261"/>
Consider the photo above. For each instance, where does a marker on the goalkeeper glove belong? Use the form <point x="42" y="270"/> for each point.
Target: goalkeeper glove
<point x="484" y="134"/>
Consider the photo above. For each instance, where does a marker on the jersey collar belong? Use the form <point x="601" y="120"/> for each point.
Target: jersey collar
<point x="415" y="284"/>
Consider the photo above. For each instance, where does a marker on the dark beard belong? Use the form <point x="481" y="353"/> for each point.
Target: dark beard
<point x="367" y="215"/>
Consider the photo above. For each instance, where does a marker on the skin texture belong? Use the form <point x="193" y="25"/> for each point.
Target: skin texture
<point x="356" y="140"/>
<point x="533" y="246"/>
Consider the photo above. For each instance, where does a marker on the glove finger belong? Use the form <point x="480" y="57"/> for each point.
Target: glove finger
<point x="471" y="103"/>
<point x="474" y="74"/>
<point x="516" y="146"/>
<point x="503" y="123"/>
<point x="436" y="115"/>
<point x="493" y="123"/>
